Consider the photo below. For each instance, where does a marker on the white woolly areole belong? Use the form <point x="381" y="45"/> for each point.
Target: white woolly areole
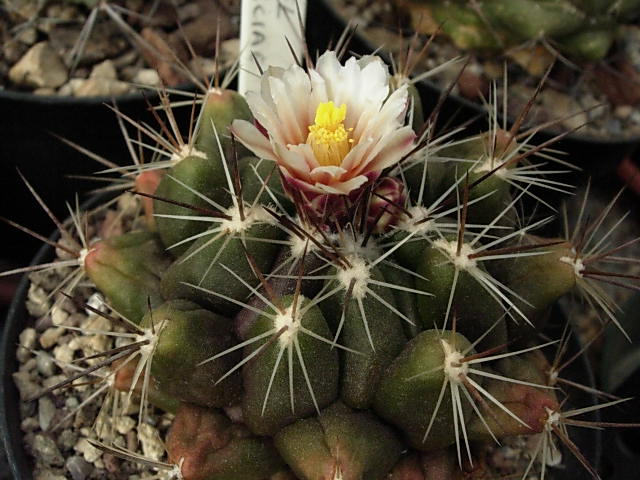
<point x="299" y="245"/>
<point x="576" y="263"/>
<point x="82" y="256"/>
<point x="152" y="337"/>
<point x="553" y="419"/>
<point x="453" y="368"/>
<point x="252" y="215"/>
<point x="489" y="164"/>
<point x="415" y="223"/>
<point x="461" y="261"/>
<point x="352" y="247"/>
<point x="186" y="151"/>
<point x="359" y="273"/>
<point x="287" y="319"/>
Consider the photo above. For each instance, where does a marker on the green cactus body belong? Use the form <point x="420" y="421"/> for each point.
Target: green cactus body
<point x="199" y="178"/>
<point x="293" y="375"/>
<point x="584" y="29"/>
<point x="220" y="108"/>
<point x="339" y="443"/>
<point x="409" y="390"/>
<point x="538" y="279"/>
<point x="202" y="273"/>
<point x="261" y="183"/>
<point x="474" y="309"/>
<point x="465" y="27"/>
<point x="405" y="300"/>
<point x="127" y="269"/>
<point x="196" y="180"/>
<point x="371" y="331"/>
<point x="189" y="335"/>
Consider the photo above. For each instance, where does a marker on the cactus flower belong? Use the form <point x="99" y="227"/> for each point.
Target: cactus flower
<point x="332" y="129"/>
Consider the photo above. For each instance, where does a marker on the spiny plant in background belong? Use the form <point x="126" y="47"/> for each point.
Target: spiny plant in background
<point x="327" y="293"/>
<point x="582" y="30"/>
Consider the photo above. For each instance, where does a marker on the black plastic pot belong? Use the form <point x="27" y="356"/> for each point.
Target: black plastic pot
<point x="19" y="464"/>
<point x="599" y="157"/>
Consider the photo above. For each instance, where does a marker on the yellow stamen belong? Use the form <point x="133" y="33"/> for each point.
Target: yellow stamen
<point x="327" y="136"/>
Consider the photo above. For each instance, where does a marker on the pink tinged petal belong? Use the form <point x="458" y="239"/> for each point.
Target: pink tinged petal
<point x="265" y="86"/>
<point x="327" y="175"/>
<point x="355" y="156"/>
<point x="390" y="117"/>
<point x="288" y="123"/>
<point x="293" y="162"/>
<point x="300" y="93"/>
<point x="394" y="147"/>
<point x="295" y="184"/>
<point x="252" y="138"/>
<point x="343" y="188"/>
<point x="306" y="151"/>
<point x="265" y="116"/>
<point x="291" y="96"/>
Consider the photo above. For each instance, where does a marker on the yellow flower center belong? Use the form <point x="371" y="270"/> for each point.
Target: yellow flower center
<point x="327" y="136"/>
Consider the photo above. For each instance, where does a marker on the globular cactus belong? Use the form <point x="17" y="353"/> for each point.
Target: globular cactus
<point x="580" y="29"/>
<point x="351" y="302"/>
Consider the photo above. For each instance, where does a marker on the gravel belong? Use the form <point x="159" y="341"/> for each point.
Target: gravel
<point x="56" y="431"/>
<point x="568" y="91"/>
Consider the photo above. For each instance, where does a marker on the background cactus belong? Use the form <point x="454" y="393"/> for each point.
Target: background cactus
<point x="580" y="29"/>
<point x="348" y="302"/>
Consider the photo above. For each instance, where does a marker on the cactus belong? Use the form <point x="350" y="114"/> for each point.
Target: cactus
<point x="325" y="296"/>
<point x="579" y="29"/>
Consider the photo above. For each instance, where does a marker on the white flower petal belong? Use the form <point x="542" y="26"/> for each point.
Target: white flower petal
<point x="253" y="139"/>
<point x="389" y="150"/>
<point x="293" y="161"/>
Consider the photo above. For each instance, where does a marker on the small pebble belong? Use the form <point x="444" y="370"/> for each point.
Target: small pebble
<point x="111" y="463"/>
<point x="67" y="439"/>
<point x="96" y="300"/>
<point x="88" y="451"/>
<point x="124" y="424"/>
<point x="132" y="441"/>
<point x="58" y="315"/>
<point x="147" y="76"/>
<point x="623" y="111"/>
<point x="152" y="445"/>
<point x="45" y="364"/>
<point x="37" y="301"/>
<point x="50" y="337"/>
<point x="63" y="354"/>
<point x="78" y="467"/>
<point x="43" y="323"/>
<point x="46" y="411"/>
<point x="51" y="381"/>
<point x="26" y="385"/>
<point x="27" y="340"/>
<point x="29" y="424"/>
<point x="47" y="450"/>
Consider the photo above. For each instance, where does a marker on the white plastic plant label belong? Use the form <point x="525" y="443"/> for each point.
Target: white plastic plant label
<point x="265" y="27"/>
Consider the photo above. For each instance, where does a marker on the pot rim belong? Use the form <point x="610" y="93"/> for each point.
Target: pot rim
<point x="140" y="94"/>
